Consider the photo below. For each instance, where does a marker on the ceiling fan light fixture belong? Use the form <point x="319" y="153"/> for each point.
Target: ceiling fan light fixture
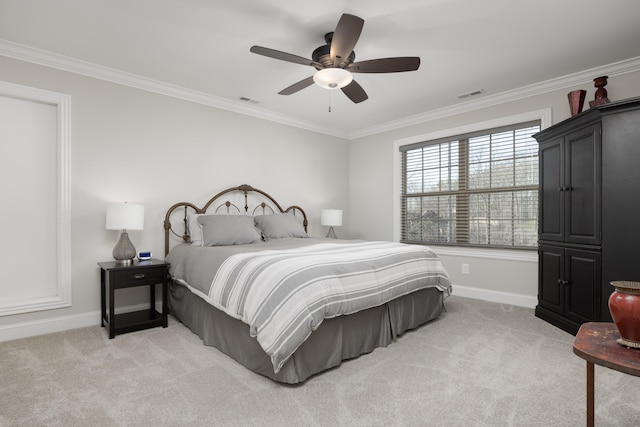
<point x="332" y="78"/>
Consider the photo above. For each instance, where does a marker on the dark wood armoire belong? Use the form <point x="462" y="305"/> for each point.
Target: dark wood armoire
<point x="589" y="201"/>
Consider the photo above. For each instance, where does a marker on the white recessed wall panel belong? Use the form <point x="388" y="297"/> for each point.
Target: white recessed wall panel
<point x="33" y="202"/>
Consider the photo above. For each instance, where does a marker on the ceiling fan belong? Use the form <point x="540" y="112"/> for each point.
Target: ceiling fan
<point x="334" y="61"/>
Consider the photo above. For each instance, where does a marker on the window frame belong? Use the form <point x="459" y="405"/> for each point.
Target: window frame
<point x="542" y="116"/>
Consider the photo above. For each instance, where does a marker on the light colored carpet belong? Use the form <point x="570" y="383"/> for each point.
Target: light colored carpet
<point x="479" y="364"/>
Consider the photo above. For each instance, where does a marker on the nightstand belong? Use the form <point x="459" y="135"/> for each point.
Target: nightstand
<point x="140" y="273"/>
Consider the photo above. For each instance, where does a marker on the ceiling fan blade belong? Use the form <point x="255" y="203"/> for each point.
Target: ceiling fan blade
<point x="283" y="56"/>
<point x="386" y="65"/>
<point x="297" y="86"/>
<point x="355" y="92"/>
<point x="345" y="37"/>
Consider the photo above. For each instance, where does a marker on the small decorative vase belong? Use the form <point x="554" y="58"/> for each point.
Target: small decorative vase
<point x="601" y="92"/>
<point x="576" y="101"/>
<point x="624" y="305"/>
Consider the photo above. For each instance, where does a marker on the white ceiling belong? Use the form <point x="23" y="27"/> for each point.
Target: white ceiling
<point x="203" y="47"/>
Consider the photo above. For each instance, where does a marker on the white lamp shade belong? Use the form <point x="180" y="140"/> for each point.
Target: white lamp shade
<point x="331" y="217"/>
<point x="125" y="216"/>
<point x="332" y="78"/>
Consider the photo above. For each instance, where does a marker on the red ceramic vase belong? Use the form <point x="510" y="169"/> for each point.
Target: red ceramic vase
<point x="624" y="305"/>
<point x="576" y="101"/>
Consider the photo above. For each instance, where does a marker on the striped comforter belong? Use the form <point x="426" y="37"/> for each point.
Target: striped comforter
<point x="284" y="295"/>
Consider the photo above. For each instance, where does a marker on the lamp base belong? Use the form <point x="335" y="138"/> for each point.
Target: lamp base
<point x="331" y="234"/>
<point x="124" y="252"/>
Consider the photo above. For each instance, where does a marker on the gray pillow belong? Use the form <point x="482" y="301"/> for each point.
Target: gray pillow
<point x="224" y="230"/>
<point x="277" y="226"/>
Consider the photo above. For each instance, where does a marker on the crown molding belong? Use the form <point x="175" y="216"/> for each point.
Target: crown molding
<point x="76" y="66"/>
<point x="65" y="63"/>
<point x="616" y="69"/>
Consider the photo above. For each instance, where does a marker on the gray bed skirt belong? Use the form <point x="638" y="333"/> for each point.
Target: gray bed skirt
<point x="337" y="339"/>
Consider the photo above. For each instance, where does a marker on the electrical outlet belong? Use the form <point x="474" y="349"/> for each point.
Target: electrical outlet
<point x="465" y="268"/>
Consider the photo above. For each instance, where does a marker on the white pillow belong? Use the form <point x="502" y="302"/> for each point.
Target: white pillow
<point x="195" y="229"/>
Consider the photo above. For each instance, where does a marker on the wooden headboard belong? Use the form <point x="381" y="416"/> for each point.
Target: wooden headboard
<point x="256" y="202"/>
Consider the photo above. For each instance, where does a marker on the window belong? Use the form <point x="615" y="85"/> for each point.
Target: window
<point x="476" y="189"/>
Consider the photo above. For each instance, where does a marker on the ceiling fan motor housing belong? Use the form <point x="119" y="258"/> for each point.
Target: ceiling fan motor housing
<point x="322" y="55"/>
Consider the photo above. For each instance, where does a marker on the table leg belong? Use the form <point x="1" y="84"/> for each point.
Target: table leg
<point x="112" y="306"/>
<point x="103" y="304"/>
<point x="165" y="308"/>
<point x="152" y="297"/>
<point x="590" y="400"/>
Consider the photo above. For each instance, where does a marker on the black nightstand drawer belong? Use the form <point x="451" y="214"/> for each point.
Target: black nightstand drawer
<point x="137" y="277"/>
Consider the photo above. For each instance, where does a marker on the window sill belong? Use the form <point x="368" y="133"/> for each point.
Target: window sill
<point x="502" y="254"/>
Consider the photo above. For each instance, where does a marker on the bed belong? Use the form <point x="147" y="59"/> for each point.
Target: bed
<point x="249" y="281"/>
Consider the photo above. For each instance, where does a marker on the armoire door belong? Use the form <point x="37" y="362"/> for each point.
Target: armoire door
<point x="551" y="278"/>
<point x="582" y="291"/>
<point x="551" y="206"/>
<point x="581" y="186"/>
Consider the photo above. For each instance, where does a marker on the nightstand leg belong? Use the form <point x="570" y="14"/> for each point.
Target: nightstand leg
<point x="165" y="306"/>
<point x="152" y="297"/>
<point x="103" y="297"/>
<point x="112" y="307"/>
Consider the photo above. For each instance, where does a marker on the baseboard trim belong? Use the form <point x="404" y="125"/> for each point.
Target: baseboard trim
<point x="63" y="323"/>
<point x="48" y="326"/>
<point x="495" y="296"/>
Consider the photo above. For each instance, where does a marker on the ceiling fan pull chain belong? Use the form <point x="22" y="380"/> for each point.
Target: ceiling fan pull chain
<point x="330" y="92"/>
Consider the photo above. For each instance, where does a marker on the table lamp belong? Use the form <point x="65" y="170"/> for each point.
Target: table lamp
<point x="125" y="216"/>
<point x="331" y="218"/>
